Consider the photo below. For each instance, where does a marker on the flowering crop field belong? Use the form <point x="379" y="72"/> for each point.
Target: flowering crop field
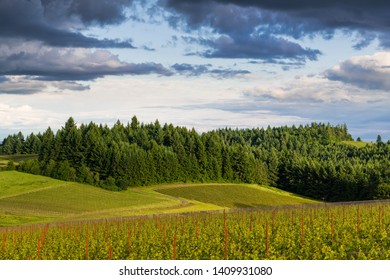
<point x="330" y="231"/>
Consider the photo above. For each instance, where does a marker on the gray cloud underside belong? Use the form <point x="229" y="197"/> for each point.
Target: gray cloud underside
<point x="27" y="85"/>
<point x="60" y="38"/>
<point x="101" y="12"/>
<point x="197" y="70"/>
<point x="57" y="23"/>
<point x="263" y="47"/>
<point x="359" y="76"/>
<point x="36" y="62"/>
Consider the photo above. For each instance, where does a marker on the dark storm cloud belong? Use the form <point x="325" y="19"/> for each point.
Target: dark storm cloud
<point x="55" y="22"/>
<point x="99" y="11"/>
<point x="42" y="41"/>
<point x="373" y="14"/>
<point x="295" y="18"/>
<point x="243" y="32"/>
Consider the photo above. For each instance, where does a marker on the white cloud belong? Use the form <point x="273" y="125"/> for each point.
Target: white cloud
<point x="25" y="118"/>
<point x="191" y="102"/>
<point x="369" y="71"/>
<point x="311" y="90"/>
<point x="205" y="103"/>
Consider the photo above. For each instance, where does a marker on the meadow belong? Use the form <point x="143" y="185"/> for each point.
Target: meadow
<point x="26" y="198"/>
<point x="235" y="195"/>
<point x="47" y="219"/>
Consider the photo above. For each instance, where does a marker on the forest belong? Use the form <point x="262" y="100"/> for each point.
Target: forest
<point x="315" y="160"/>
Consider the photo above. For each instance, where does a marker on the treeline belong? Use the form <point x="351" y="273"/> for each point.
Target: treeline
<point x="17" y="144"/>
<point x="310" y="160"/>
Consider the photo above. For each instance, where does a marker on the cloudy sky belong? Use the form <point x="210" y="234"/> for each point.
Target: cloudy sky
<point x="202" y="64"/>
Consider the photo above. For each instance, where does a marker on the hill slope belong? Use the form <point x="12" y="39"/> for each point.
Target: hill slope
<point x="235" y="195"/>
<point x="30" y="198"/>
<point x="26" y="198"/>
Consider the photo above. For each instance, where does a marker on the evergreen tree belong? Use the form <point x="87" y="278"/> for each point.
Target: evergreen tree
<point x="310" y="160"/>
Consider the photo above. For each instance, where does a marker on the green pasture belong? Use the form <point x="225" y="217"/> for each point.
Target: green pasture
<point x="235" y="195"/>
<point x="26" y="198"/>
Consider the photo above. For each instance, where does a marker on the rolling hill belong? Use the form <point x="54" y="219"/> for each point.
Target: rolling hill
<point x="234" y="195"/>
<point x="26" y="198"/>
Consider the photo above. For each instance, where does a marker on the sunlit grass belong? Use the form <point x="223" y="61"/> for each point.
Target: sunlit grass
<point x="234" y="195"/>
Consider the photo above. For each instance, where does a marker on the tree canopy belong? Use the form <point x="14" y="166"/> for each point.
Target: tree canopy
<point x="311" y="160"/>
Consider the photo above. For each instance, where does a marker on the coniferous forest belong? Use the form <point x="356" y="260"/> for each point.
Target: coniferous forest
<point x="313" y="160"/>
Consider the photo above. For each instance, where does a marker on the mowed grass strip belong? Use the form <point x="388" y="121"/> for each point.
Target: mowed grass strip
<point x="235" y="196"/>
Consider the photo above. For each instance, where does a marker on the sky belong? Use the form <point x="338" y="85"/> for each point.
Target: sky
<point x="200" y="64"/>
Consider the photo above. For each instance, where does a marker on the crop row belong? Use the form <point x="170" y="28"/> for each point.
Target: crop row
<point x="326" y="232"/>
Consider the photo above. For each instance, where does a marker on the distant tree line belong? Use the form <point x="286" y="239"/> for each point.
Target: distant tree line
<point x="310" y="160"/>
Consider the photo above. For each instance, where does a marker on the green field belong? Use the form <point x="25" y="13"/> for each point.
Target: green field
<point x="312" y="231"/>
<point x="26" y="198"/>
<point x="358" y="144"/>
<point x="234" y="196"/>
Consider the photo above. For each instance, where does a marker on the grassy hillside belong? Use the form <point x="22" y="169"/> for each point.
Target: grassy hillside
<point x="235" y="195"/>
<point x="357" y="144"/>
<point x="26" y="198"/>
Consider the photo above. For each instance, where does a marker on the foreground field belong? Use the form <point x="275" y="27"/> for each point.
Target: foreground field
<point x="26" y="198"/>
<point x="86" y="222"/>
<point x="303" y="232"/>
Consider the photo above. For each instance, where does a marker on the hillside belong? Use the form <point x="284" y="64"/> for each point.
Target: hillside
<point x="26" y="198"/>
<point x="320" y="161"/>
<point x="234" y="195"/>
